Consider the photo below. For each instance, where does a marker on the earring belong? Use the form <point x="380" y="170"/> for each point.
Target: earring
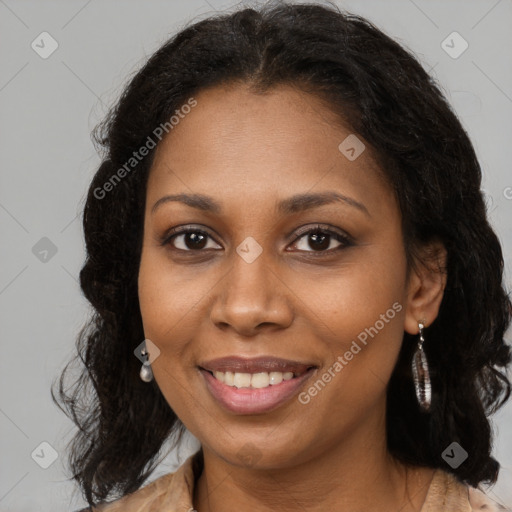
<point x="421" y="374"/>
<point x="146" y="373"/>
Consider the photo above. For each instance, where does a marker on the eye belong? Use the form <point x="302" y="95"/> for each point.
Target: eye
<point x="321" y="239"/>
<point x="189" y="239"/>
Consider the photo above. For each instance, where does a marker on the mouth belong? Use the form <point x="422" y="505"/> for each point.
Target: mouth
<point x="252" y="386"/>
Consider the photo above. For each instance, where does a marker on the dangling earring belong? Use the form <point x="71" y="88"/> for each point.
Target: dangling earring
<point x="146" y="373"/>
<point x="421" y="374"/>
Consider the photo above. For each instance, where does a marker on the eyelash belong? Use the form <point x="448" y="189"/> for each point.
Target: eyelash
<point x="344" y="240"/>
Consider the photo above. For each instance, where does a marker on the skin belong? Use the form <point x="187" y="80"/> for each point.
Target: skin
<point x="248" y="152"/>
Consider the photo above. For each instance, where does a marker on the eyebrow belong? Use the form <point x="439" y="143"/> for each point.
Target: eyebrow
<point x="293" y="204"/>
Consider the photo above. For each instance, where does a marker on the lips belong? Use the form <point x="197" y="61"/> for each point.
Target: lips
<point x="256" y="385"/>
<point x="255" y="365"/>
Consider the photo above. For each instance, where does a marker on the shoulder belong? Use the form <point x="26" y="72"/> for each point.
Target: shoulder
<point x="146" y="498"/>
<point x="480" y="501"/>
<point x="447" y="493"/>
<point x="168" y="492"/>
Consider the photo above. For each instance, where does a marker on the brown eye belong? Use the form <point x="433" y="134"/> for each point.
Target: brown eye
<point x="321" y="240"/>
<point x="190" y="240"/>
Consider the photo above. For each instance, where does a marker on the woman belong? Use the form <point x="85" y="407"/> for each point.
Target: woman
<point x="287" y="230"/>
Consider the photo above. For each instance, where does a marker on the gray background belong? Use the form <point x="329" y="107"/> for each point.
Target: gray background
<point x="48" y="108"/>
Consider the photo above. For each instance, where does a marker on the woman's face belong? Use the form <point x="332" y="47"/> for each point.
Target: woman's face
<point x="257" y="280"/>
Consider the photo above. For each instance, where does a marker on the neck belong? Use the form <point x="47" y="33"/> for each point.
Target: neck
<point x="356" y="475"/>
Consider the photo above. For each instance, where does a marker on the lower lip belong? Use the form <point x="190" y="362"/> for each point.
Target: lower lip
<point x="254" y="400"/>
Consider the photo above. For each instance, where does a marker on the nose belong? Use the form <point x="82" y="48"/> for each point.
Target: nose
<point x="251" y="298"/>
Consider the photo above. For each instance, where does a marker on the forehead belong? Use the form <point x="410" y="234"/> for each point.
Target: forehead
<point x="238" y="144"/>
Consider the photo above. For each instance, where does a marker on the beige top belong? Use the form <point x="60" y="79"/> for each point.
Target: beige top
<point x="173" y="492"/>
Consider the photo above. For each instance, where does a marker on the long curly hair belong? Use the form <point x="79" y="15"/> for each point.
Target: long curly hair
<point x="381" y="92"/>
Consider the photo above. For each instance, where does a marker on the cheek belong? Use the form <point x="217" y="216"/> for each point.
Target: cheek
<point x="167" y="294"/>
<point x="174" y="303"/>
<point x="163" y="307"/>
<point x="166" y="305"/>
<point x="352" y="298"/>
<point x="361" y="313"/>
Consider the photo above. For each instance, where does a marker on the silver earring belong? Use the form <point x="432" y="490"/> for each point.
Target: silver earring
<point x="421" y="374"/>
<point x="146" y="373"/>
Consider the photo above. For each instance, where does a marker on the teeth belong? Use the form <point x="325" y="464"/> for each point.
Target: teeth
<point x="242" y="380"/>
<point x="260" y="380"/>
<point x="275" y="378"/>
<point x="252" y="380"/>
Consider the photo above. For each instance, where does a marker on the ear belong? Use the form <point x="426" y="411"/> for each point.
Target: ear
<point x="425" y="287"/>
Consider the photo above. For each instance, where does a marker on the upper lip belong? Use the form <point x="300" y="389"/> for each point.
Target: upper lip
<point x="255" y="365"/>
